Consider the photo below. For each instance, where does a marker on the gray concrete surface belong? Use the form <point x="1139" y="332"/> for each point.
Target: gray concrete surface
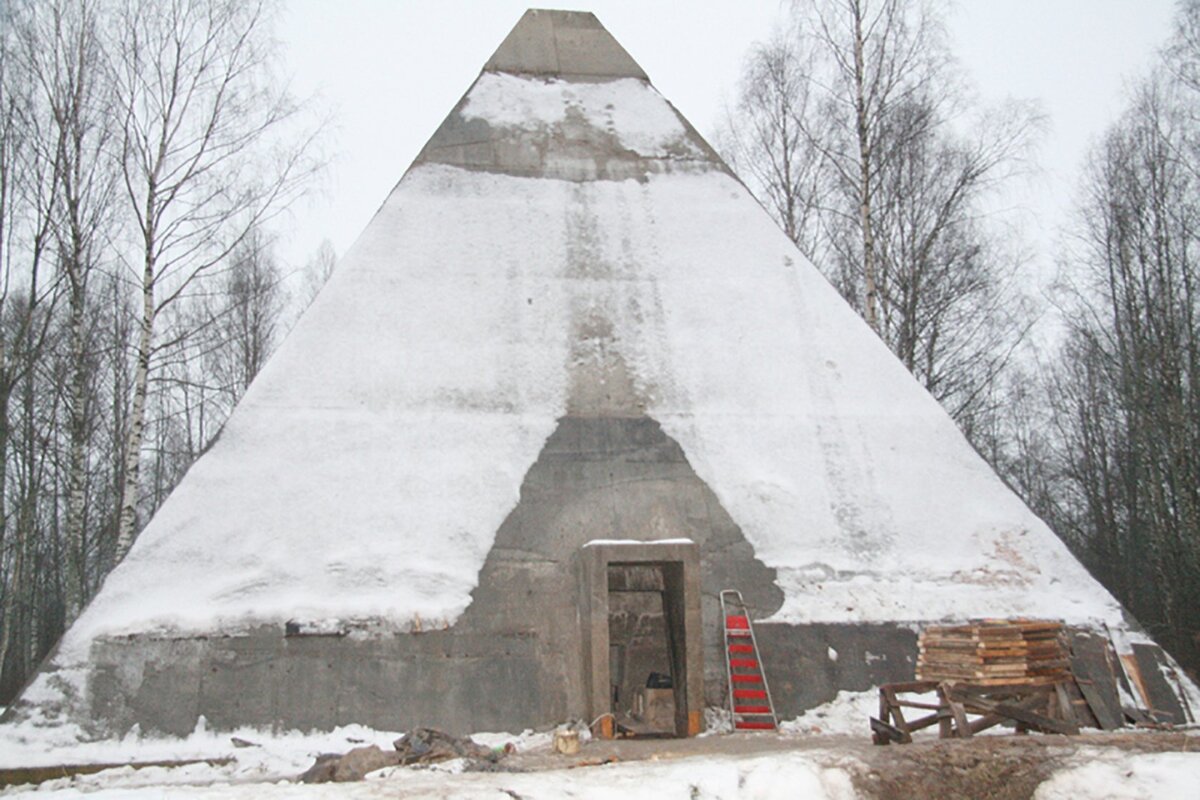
<point x="563" y="44"/>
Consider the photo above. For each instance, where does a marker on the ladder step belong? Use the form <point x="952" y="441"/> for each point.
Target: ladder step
<point x="749" y="695"/>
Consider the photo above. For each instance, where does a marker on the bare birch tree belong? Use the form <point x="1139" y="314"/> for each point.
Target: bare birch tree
<point x="142" y="144"/>
<point x="209" y="150"/>
<point x="871" y="57"/>
<point x="60" y="42"/>
<point x="766" y="137"/>
<point x="846" y="128"/>
<point x="29" y="197"/>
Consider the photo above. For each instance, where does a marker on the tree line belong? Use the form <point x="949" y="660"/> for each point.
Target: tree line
<point x="855" y="131"/>
<point x="145" y="148"/>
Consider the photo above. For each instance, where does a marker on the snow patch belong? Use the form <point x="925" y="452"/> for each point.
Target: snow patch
<point x="845" y="715"/>
<point x="1115" y="775"/>
<point x="629" y="109"/>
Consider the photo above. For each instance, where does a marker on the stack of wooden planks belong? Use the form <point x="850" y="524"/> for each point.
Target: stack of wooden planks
<point x="995" y="652"/>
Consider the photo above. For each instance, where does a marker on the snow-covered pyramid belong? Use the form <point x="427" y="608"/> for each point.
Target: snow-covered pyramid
<point x="569" y="323"/>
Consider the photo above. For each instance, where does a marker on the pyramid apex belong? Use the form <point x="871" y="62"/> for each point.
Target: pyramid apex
<point x="558" y="43"/>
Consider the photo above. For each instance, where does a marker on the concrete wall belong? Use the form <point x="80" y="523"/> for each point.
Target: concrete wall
<point x="446" y="679"/>
<point x="449" y="679"/>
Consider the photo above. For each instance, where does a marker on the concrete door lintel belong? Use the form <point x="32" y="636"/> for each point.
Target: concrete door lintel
<point x="680" y="560"/>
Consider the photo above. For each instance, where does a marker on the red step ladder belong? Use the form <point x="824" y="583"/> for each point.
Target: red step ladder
<point x="749" y="694"/>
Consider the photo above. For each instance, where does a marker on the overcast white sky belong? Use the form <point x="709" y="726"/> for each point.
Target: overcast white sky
<point x="390" y="71"/>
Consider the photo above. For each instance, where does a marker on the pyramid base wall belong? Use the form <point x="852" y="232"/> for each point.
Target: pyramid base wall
<point x="454" y="681"/>
<point x="807" y="665"/>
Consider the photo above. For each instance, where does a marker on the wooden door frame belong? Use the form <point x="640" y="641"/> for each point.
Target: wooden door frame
<point x="680" y="560"/>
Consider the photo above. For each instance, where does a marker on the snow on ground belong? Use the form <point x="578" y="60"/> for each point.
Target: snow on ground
<point x="846" y="714"/>
<point x="783" y="775"/>
<point x="270" y="755"/>
<point x="268" y="767"/>
<point x="285" y="754"/>
<point x="1109" y="775"/>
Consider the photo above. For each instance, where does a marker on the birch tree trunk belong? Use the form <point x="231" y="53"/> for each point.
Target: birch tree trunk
<point x="206" y="158"/>
<point x="862" y="129"/>
<point x="127" y="519"/>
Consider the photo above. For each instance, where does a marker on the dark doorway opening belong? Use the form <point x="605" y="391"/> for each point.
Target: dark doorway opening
<point x="645" y="636"/>
<point x="642" y="642"/>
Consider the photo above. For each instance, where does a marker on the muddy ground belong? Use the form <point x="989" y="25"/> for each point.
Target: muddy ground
<point x="998" y="767"/>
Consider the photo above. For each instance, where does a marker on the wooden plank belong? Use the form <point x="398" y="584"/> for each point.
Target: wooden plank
<point x="1021" y="713"/>
<point x="958" y="714"/>
<point x="985" y="722"/>
<point x="1083" y="711"/>
<point x="884" y="733"/>
<point x="1065" y="709"/>
<point x="1033" y="681"/>
<point x="1151" y="663"/>
<point x="1136" y="715"/>
<point x="924" y="722"/>
<point x="994" y="651"/>
<point x="997" y="680"/>
<point x="894" y="709"/>
<point x="910" y="686"/>
<point x="1093" y="675"/>
<point x="1135" y="677"/>
<point x="915" y="704"/>
<point x="1021" y="690"/>
<point x="1117" y="667"/>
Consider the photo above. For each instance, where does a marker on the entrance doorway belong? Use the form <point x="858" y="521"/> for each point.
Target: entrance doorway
<point x="642" y="642"/>
<point x="643" y="646"/>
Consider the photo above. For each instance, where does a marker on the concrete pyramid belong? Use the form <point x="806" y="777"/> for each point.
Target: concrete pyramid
<point x="570" y="382"/>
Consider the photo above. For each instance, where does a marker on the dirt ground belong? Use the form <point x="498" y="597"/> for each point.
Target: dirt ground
<point x="1000" y="767"/>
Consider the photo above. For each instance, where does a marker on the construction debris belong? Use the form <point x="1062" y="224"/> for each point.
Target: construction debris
<point x="1032" y="674"/>
<point x="353" y="766"/>
<point x="421" y="746"/>
<point x="429" y="746"/>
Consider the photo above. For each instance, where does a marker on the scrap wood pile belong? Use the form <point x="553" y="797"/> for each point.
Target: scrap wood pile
<point x="995" y="652"/>
<point x="1034" y="675"/>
